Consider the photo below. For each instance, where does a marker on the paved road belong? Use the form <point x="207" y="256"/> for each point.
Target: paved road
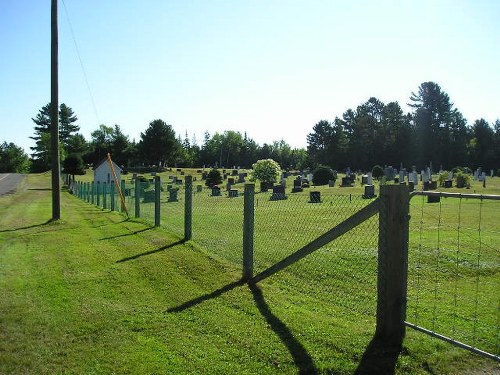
<point x="9" y="182"/>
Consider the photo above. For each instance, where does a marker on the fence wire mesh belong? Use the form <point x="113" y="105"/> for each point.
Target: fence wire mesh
<point x="218" y="223"/>
<point x="344" y="272"/>
<point x="454" y="269"/>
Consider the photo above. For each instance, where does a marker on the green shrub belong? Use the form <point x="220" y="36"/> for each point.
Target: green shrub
<point x="214" y="177"/>
<point x="322" y="174"/>
<point x="267" y="171"/>
<point x="377" y="172"/>
<point x="462" y="179"/>
<point x="443" y="176"/>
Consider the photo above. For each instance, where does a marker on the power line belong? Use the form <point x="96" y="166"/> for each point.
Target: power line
<point x="81" y="63"/>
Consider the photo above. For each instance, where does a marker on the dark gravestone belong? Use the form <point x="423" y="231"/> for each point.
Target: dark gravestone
<point x="233" y="193"/>
<point x="297" y="186"/>
<point x="448" y="183"/>
<point x="278" y="193"/>
<point x="234" y="172"/>
<point x="230" y="180"/>
<point x="433" y="199"/>
<point x="241" y="178"/>
<point x="427" y="185"/>
<point x="369" y="191"/>
<point x="305" y="183"/>
<point x="433" y="185"/>
<point x="346" y="182"/>
<point x="411" y="186"/>
<point x="315" y="197"/>
<point x="216" y="191"/>
<point x="199" y="188"/>
<point x="173" y="195"/>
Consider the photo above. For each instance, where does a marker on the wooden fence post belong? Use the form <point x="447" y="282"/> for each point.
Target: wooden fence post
<point x="157" y="200"/>
<point x="137" y="197"/>
<point x="188" y="209"/>
<point x="392" y="264"/>
<point x="248" y="231"/>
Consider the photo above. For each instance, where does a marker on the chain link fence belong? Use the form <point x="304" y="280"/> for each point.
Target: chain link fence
<point x="454" y="269"/>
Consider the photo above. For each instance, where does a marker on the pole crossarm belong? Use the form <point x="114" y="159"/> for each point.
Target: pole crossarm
<point x="334" y="233"/>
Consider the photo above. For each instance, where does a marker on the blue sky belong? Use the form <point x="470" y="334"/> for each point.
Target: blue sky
<point x="271" y="68"/>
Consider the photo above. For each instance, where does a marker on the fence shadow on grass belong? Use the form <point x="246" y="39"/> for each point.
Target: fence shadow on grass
<point x="27" y="227"/>
<point x="127" y="234"/>
<point x="163" y="248"/>
<point x="379" y="358"/>
<point x="301" y="357"/>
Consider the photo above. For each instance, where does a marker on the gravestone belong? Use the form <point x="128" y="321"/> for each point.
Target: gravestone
<point x="283" y="182"/>
<point x="346" y="182"/>
<point x="389" y="173"/>
<point x="331" y="183"/>
<point x="433" y="199"/>
<point x="199" y="188"/>
<point x="315" y="197"/>
<point x="297" y="186"/>
<point x="305" y="183"/>
<point x="230" y="180"/>
<point x="369" y="191"/>
<point x="364" y="179"/>
<point x="448" y="183"/>
<point x="278" y="193"/>
<point x="216" y="191"/>
<point x="204" y="175"/>
<point x="369" y="180"/>
<point x="233" y="193"/>
<point x="234" y="172"/>
<point x="411" y="186"/>
<point x="173" y="195"/>
<point x="241" y="178"/>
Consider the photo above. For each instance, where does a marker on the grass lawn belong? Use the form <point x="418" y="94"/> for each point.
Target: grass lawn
<point x="96" y="293"/>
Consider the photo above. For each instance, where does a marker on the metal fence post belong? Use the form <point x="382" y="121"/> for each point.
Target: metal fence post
<point x="98" y="194"/>
<point x="157" y="200"/>
<point x="137" y="197"/>
<point x="104" y="195"/>
<point x="392" y="264"/>
<point x="92" y="192"/>
<point x="112" y="195"/>
<point x="188" y="209"/>
<point x="248" y="231"/>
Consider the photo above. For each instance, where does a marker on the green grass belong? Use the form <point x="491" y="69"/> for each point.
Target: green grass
<point x="96" y="293"/>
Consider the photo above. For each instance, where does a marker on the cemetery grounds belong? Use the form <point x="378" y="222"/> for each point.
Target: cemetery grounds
<point x="101" y="293"/>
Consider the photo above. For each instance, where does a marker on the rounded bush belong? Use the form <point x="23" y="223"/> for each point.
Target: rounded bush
<point x="322" y="174"/>
<point x="377" y="172"/>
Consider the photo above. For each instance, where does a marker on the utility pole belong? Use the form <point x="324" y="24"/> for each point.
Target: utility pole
<point x="54" y="116"/>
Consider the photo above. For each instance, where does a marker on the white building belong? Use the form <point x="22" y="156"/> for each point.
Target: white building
<point x="103" y="173"/>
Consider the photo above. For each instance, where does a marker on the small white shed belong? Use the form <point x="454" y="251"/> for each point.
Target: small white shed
<point x="104" y="174"/>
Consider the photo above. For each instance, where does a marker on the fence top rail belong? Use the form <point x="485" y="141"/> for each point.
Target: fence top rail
<point x="454" y="195"/>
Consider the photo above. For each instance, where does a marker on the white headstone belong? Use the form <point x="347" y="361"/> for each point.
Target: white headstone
<point x="401" y="176"/>
<point x="369" y="181"/>
<point x="415" y="177"/>
<point x="425" y="176"/>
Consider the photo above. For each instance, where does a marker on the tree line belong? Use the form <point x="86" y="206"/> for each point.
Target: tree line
<point x="433" y="133"/>
<point x="372" y="133"/>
